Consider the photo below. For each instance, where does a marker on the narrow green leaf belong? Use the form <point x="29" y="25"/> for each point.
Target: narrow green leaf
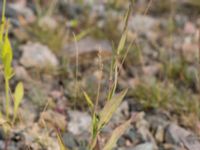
<point x="122" y="42"/>
<point x="7" y="47"/>
<point x="117" y="133"/>
<point x="114" y="86"/>
<point x="3" y="11"/>
<point x="83" y="33"/>
<point x="19" y="93"/>
<point x="124" y="35"/>
<point x="1" y="44"/>
<point x="60" y="142"/>
<point x="88" y="99"/>
<point x="127" y="16"/>
<point x="18" y="96"/>
<point x="110" y="107"/>
<point x="7" y="65"/>
<point x="7" y="56"/>
<point x="1" y="31"/>
<point x="95" y="121"/>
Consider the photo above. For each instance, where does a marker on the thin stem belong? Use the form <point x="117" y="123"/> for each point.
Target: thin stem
<point x="2" y="20"/>
<point x="38" y="8"/>
<point x="3" y="11"/>
<point x="94" y="142"/>
<point x="99" y="82"/>
<point x="77" y="68"/>
<point x="7" y="98"/>
<point x="198" y="77"/>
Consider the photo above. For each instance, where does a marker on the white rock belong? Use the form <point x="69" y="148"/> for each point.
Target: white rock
<point x="142" y="23"/>
<point x="145" y="146"/>
<point x="38" y="56"/>
<point x="88" y="49"/>
<point x="79" y="122"/>
<point x="48" y="22"/>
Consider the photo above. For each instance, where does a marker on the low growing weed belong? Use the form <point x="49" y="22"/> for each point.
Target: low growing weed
<point x="162" y="95"/>
<point x="100" y="119"/>
<point x="6" y="56"/>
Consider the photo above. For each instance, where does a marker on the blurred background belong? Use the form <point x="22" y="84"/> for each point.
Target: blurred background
<point x="64" y="47"/>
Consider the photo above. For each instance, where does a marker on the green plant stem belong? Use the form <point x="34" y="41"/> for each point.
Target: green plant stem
<point x="38" y="8"/>
<point x="94" y="142"/>
<point x="7" y="98"/>
<point x="3" y="11"/>
<point x="2" y="20"/>
<point x="198" y="77"/>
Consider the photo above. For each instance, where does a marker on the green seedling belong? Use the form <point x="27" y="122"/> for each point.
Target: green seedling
<point x="53" y="38"/>
<point x="120" y="49"/>
<point x="101" y="118"/>
<point x="48" y="10"/>
<point x="6" y="56"/>
<point x="159" y="95"/>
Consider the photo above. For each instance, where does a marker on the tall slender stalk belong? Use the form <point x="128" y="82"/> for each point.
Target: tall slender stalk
<point x="2" y="40"/>
<point x="7" y="98"/>
<point x="2" y="20"/>
<point x="6" y="78"/>
<point x="198" y="77"/>
<point x="3" y="11"/>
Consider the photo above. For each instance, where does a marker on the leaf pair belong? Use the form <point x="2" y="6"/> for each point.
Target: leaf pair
<point x="117" y="133"/>
<point x="120" y="48"/>
<point x="98" y="121"/>
<point x="6" y="56"/>
<point x="106" y="114"/>
<point x="110" y="107"/>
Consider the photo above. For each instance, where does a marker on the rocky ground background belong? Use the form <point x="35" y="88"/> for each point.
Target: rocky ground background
<point x="160" y="71"/>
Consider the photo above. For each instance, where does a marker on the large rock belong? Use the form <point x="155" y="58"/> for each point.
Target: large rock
<point x="87" y="49"/>
<point x="38" y="56"/>
<point x="179" y="136"/>
<point x="51" y="118"/>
